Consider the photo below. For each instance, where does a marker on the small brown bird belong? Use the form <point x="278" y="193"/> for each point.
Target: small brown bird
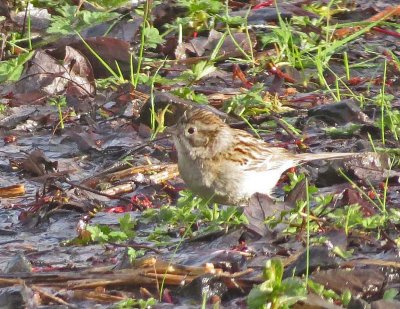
<point x="229" y="165"/>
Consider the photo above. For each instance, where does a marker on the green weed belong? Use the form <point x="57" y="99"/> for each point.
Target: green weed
<point x="152" y="37"/>
<point x="189" y="94"/>
<point x="11" y="70"/>
<point x="145" y="24"/>
<point x="60" y="102"/>
<point x="329" y="294"/>
<point x="70" y="19"/>
<point x="3" y="108"/>
<point x="390" y="294"/>
<point x="190" y="209"/>
<point x="133" y="254"/>
<point x="135" y="303"/>
<point x="198" y="71"/>
<point x="200" y="14"/>
<point x="276" y="292"/>
<point x="349" y="217"/>
<point x="104" y="233"/>
<point x="250" y="103"/>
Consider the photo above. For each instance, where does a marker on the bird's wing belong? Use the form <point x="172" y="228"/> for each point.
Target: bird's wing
<point x="256" y="155"/>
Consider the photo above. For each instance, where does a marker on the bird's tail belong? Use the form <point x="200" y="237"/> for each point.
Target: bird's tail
<point x="325" y="156"/>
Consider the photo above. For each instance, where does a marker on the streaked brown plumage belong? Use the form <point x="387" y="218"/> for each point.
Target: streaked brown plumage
<point x="230" y="165"/>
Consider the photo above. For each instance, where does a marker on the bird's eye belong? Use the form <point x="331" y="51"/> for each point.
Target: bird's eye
<point x="191" y="130"/>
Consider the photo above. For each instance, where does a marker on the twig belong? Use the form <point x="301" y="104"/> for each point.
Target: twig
<point x="117" y="166"/>
<point x="125" y="199"/>
<point x="283" y="125"/>
<point x="52" y="297"/>
<point x="135" y="246"/>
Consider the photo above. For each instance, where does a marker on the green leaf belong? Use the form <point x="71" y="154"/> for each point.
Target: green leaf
<point x="99" y="233"/>
<point x="273" y="292"/>
<point x="233" y="20"/>
<point x="71" y="19"/>
<point x="11" y="70"/>
<point x="346" y="297"/>
<point x="316" y="287"/>
<point x="202" y="69"/>
<point x="291" y="291"/>
<point x="390" y="294"/>
<point x="59" y="101"/>
<point x="135" y="303"/>
<point x="196" y="6"/>
<point x="109" y="4"/>
<point x="249" y="103"/>
<point x="189" y="94"/>
<point x="152" y="37"/>
<point x="342" y="253"/>
<point x="257" y="298"/>
<point x="126" y="225"/>
<point x="273" y="271"/>
<point x="117" y="236"/>
<point x="134" y="254"/>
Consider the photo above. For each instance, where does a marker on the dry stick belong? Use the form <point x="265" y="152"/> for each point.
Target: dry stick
<point x="145" y="262"/>
<point x="177" y="270"/>
<point x="130" y="152"/>
<point x="97" y="296"/>
<point x="157" y="283"/>
<point x="140" y="169"/>
<point x="52" y="297"/>
<point x="6" y="281"/>
<point x="3" y="45"/>
<point x="369" y="262"/>
<point x="125" y="199"/>
<point x="123" y="277"/>
<point x="164" y="172"/>
<point x="135" y="246"/>
<point x="12" y="191"/>
<point x="96" y="283"/>
<point x="236" y="274"/>
<point x="63" y="277"/>
<point x="120" y="189"/>
<point x="171" y="279"/>
<point x="145" y="293"/>
<point x="284" y="127"/>
<point x="118" y="166"/>
<point x="117" y="279"/>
